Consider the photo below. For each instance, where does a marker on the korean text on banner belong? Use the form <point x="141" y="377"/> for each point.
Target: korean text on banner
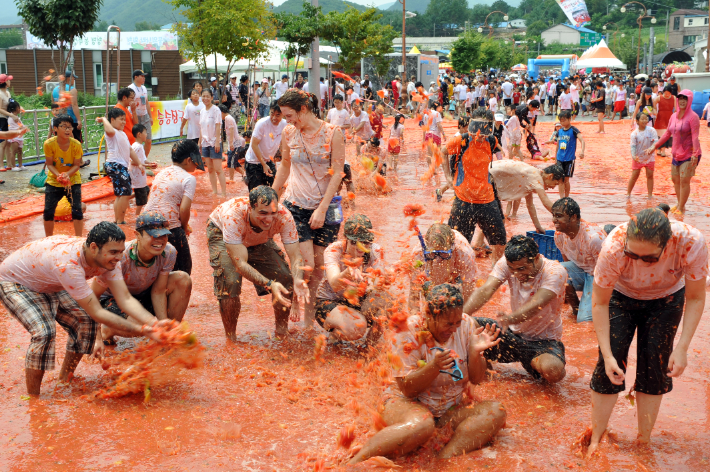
<point x="576" y="11"/>
<point x="167" y="117"/>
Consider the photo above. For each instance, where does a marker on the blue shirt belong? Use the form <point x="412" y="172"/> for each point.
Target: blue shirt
<point x="567" y="144"/>
<point x="55" y="98"/>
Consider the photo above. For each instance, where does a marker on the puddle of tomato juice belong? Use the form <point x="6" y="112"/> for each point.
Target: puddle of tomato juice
<point x="266" y="404"/>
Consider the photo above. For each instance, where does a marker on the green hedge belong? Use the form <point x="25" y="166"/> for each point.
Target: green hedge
<point x="37" y="102"/>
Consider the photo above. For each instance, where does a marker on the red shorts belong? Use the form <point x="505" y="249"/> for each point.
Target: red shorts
<point x="393" y="149"/>
<point x="618" y="107"/>
<point x="635" y="165"/>
<point x="436" y="139"/>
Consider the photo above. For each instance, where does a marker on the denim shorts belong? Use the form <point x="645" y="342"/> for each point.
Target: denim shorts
<point x="323" y="236"/>
<point x="582" y="282"/>
<point x="210" y="152"/>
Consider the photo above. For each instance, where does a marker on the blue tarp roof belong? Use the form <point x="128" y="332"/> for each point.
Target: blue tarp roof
<point x="445" y="52"/>
<point x="581" y="28"/>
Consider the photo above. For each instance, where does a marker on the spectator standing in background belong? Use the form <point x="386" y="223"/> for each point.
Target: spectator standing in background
<point x="140" y="108"/>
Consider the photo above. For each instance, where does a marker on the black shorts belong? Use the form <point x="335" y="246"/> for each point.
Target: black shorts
<point x="513" y="348"/>
<point x="551" y="100"/>
<point x="141" y="195"/>
<point x="465" y="216"/>
<point x="76" y="132"/>
<point x="178" y="238"/>
<point x="657" y="322"/>
<point x="348" y="179"/>
<point x="234" y="156"/>
<point x="3" y="126"/>
<point x="507" y="101"/>
<point x="52" y="196"/>
<point x="144" y="298"/>
<point x="567" y="167"/>
<point x="324" y="307"/>
<point x="575" y="110"/>
<point x="323" y="236"/>
<point x="256" y="176"/>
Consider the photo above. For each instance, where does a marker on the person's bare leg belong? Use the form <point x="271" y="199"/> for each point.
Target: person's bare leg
<point x="676" y="185"/>
<point x="147" y="146"/>
<point x="78" y="227"/>
<point x="516" y="205"/>
<point x="312" y="257"/>
<point x="478" y="242"/>
<point x="647" y="409"/>
<point x="71" y="360"/>
<point x="219" y="172"/>
<point x="139" y="209"/>
<point x="33" y="381"/>
<point x="568" y="187"/>
<point x="508" y="208"/>
<point x="213" y="177"/>
<point x="602" y="406"/>
<point x="550" y="367"/>
<point x="562" y="188"/>
<point x="649" y="182"/>
<point x="496" y="254"/>
<point x="572" y="298"/>
<point x="481" y="423"/>
<point x="48" y="228"/>
<point x="230" y="172"/>
<point x="229" y="309"/>
<point x="684" y="193"/>
<point x="409" y="426"/>
<point x="632" y="181"/>
<point x="120" y="206"/>
<point x="178" y="292"/>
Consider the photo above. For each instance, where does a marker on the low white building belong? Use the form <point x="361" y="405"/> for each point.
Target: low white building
<point x="424" y="43"/>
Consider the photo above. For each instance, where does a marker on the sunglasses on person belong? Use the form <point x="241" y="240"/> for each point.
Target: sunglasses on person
<point x="433" y="255"/>
<point x="649" y="259"/>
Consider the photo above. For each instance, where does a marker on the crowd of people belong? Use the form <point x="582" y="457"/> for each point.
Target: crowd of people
<point x="643" y="277"/>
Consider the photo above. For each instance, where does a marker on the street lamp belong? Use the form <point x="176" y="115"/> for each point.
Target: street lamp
<point x="638" y="20"/>
<point x="405" y="14"/>
<point x="490" y="28"/>
<point x="615" y="32"/>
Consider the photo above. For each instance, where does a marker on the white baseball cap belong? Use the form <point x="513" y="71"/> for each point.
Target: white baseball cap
<point x="499" y="117"/>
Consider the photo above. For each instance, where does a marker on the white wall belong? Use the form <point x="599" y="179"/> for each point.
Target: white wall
<point x="560" y="34"/>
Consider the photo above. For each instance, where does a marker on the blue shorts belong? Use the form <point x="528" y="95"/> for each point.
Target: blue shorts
<point x="210" y="152"/>
<point x="582" y="282"/>
<point x="120" y="178"/>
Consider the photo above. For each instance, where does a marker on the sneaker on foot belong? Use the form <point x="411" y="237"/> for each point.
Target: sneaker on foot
<point x="15" y="169"/>
<point x="438" y="195"/>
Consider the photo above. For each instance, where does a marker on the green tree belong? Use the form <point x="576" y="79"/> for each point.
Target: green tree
<point x="9" y="38"/>
<point x="536" y="27"/>
<point x="465" y="52"/>
<point x="357" y="35"/>
<point x="147" y="26"/>
<point x="299" y="31"/>
<point x="236" y="29"/>
<point x="58" y="26"/>
<point x="101" y="26"/>
<point x="447" y="15"/>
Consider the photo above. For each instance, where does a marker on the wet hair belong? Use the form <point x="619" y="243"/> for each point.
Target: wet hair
<point x="105" y="232"/>
<point x="275" y="107"/>
<point x="418" y="84"/>
<point x="13" y="106"/>
<point x="482" y="113"/>
<point x="566" y="114"/>
<point x="375" y="141"/>
<point x="534" y="104"/>
<point x="464" y="121"/>
<point x="58" y="120"/>
<point x="442" y="297"/>
<point x="223" y="108"/>
<point x="608" y="228"/>
<point x="521" y="247"/>
<point x="262" y="194"/>
<point x="665" y="207"/>
<point x="555" y="170"/>
<point x="125" y="93"/>
<point x="338" y="97"/>
<point x="208" y="91"/>
<point x="650" y="225"/>
<point x="639" y="115"/>
<point x="397" y="121"/>
<point x="297" y="99"/>
<point x="183" y="150"/>
<point x="137" y="129"/>
<point x="246" y="134"/>
<point x="54" y="106"/>
<point x="114" y="113"/>
<point x="243" y="78"/>
<point x="667" y="88"/>
<point x="568" y="207"/>
<point x="435" y="105"/>
<point x="440" y="234"/>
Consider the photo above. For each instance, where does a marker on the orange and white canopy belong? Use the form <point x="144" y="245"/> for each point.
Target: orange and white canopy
<point x="599" y="56"/>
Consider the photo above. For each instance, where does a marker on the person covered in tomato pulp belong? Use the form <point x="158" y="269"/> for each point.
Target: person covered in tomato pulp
<point x="436" y="355"/>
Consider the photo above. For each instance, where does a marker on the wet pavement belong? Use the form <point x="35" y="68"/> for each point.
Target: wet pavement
<point x="266" y="404"/>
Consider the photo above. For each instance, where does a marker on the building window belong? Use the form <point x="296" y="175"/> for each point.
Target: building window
<point x="3" y="63"/>
<point x="98" y="75"/>
<point x="705" y="21"/>
<point x="676" y="23"/>
<point x="147" y="67"/>
<point x="690" y="22"/>
<point x="688" y="40"/>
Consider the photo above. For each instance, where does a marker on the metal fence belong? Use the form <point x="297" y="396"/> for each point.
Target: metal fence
<point x="39" y="122"/>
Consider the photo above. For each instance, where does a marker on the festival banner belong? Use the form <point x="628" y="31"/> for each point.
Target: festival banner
<point x="148" y="40"/>
<point x="167" y="117"/>
<point x="576" y="11"/>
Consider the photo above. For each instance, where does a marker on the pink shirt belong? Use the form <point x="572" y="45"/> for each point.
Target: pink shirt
<point x="584" y="249"/>
<point x="463" y="259"/>
<point x="685" y="255"/>
<point x="53" y="264"/>
<point x="232" y="218"/>
<point x="333" y="257"/>
<point x="443" y="393"/>
<point x="169" y="187"/>
<point x="140" y="277"/>
<point x="547" y="324"/>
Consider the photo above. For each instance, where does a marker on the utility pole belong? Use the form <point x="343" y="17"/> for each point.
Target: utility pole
<point x="707" y="49"/>
<point x="649" y="65"/>
<point x="314" y="70"/>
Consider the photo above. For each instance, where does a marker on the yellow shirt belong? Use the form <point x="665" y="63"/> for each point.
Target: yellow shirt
<point x="63" y="160"/>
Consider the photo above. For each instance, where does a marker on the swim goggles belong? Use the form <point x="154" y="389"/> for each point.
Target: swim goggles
<point x="432" y="255"/>
<point x="455" y="371"/>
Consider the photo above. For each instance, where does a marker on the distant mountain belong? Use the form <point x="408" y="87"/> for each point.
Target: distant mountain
<point x="9" y="13"/>
<point x="127" y="12"/>
<point x="420" y="6"/>
<point x="295" y="6"/>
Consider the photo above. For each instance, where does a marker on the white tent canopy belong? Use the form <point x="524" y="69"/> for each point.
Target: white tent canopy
<point x="599" y="55"/>
<point x="271" y="63"/>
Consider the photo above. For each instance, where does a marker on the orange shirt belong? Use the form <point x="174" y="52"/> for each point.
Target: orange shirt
<point x="471" y="180"/>
<point x="128" y="129"/>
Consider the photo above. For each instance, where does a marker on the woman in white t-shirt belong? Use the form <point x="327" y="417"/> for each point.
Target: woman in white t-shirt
<point x="360" y="123"/>
<point x="191" y="116"/>
<point x="439" y="354"/>
<point x="313" y="156"/>
<point x="210" y="142"/>
<point x="435" y="131"/>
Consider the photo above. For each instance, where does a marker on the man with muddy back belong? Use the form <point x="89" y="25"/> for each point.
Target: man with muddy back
<point x="147" y="265"/>
<point x="531" y="333"/>
<point x="240" y="236"/>
<point x="45" y="282"/>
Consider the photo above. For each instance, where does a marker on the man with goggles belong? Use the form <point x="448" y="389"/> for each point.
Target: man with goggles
<point x="445" y="257"/>
<point x="648" y="270"/>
